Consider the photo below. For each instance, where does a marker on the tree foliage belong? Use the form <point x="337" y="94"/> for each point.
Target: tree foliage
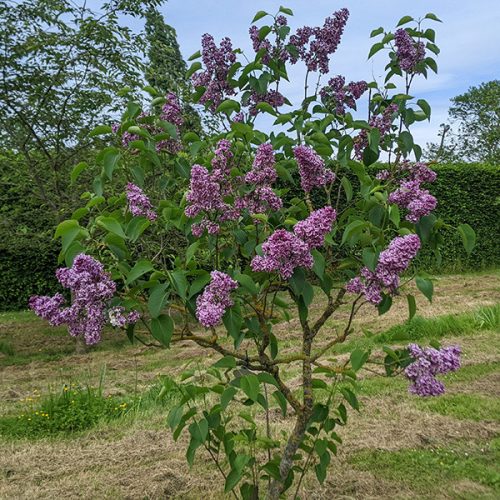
<point x="473" y="133"/>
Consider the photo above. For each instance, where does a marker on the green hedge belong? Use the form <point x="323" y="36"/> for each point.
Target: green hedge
<point x="27" y="266"/>
<point x="467" y="193"/>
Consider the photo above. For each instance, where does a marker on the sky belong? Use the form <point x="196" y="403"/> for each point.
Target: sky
<point x="469" y="39"/>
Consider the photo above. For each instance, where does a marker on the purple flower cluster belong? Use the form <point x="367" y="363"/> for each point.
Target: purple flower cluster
<point x="429" y="363"/>
<point x="337" y="94"/>
<point x="270" y="51"/>
<point x="118" y="318"/>
<point x="221" y="162"/>
<point x="313" y="229"/>
<point x="91" y="289"/>
<point x="383" y="122"/>
<point x="263" y="171"/>
<point x="171" y="111"/>
<point x="408" y="53"/>
<point x="262" y="198"/>
<point x="284" y="251"/>
<point x="326" y="39"/>
<point x="138" y="202"/>
<point x="215" y="299"/>
<point x="410" y="195"/>
<point x="391" y="263"/>
<point x="217" y="63"/>
<point x="272" y="97"/>
<point x="207" y="191"/>
<point x="312" y="168"/>
<point x="127" y="137"/>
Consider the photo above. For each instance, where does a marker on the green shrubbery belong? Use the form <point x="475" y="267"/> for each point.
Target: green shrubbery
<point x="467" y="193"/>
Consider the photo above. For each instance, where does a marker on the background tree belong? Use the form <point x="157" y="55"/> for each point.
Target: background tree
<point x="62" y="65"/>
<point x="476" y="117"/>
<point x="166" y="68"/>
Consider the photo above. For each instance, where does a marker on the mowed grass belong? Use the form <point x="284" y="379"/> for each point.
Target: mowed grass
<point x="398" y="446"/>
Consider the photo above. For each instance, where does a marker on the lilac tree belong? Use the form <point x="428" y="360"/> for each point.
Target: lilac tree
<point x="272" y="221"/>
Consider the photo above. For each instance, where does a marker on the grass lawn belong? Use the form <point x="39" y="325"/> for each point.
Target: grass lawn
<point x="398" y="446"/>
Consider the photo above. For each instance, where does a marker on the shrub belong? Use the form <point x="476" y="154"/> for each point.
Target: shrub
<point x="248" y="241"/>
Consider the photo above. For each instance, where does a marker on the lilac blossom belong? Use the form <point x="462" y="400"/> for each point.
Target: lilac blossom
<point x="337" y="94"/>
<point x="215" y="299"/>
<point x="283" y="252"/>
<point x="270" y="51"/>
<point x="410" y="195"/>
<point x="263" y="173"/>
<point x="383" y="122"/>
<point x="316" y="52"/>
<point x="393" y="261"/>
<point x="171" y="111"/>
<point x="312" y="169"/>
<point x="91" y="290"/>
<point x="313" y="229"/>
<point x="217" y="61"/>
<point x="408" y="52"/>
<point x="429" y="363"/>
<point x="272" y="97"/>
<point x="118" y="317"/>
<point x="207" y="191"/>
<point x="138" y="202"/>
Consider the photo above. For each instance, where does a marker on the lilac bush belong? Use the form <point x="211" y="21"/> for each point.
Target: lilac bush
<point x="270" y="224"/>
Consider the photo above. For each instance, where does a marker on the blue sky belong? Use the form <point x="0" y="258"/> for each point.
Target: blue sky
<point x="469" y="38"/>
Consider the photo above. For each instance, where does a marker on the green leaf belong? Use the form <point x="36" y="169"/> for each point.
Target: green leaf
<point x="407" y="140"/>
<point x="101" y="130"/>
<point x="194" y="56"/>
<point x="376" y="32"/>
<point x="232" y="479"/>
<point x="193" y="69"/>
<point x="162" y="329"/>
<point x="233" y="321"/>
<point x="468" y="237"/>
<point x="286" y="10"/>
<point x="412" y="306"/>
<point x="432" y="64"/>
<point x="375" y="48"/>
<point x="247" y="282"/>
<point x="228" y="106"/>
<point x="404" y="20"/>
<point x="110" y="160"/>
<point x="353" y="229"/>
<point x="227" y="396"/>
<point x="157" y="299"/>
<point x="259" y="15"/>
<point x="191" y="251"/>
<point x="432" y="16"/>
<point x="424" y="106"/>
<point x="281" y="400"/>
<point x="141" y="267"/>
<point x="77" y="170"/>
<point x="250" y="385"/>
<point x="66" y="227"/>
<point x="385" y="305"/>
<point x="111" y="225"/>
<point x="346" y="184"/>
<point x="199" y="283"/>
<point x="319" y="264"/>
<point x="358" y="358"/>
<point x="136" y="227"/>
<point x="180" y="282"/>
<point x="225" y="362"/>
<point x="425" y="286"/>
